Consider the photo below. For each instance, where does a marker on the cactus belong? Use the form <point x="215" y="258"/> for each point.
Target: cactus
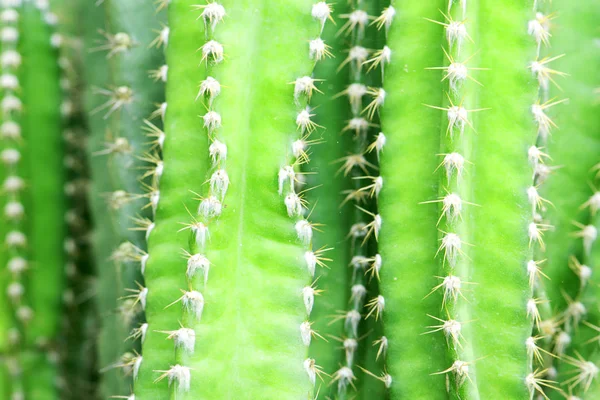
<point x="297" y="199"/>
<point x="121" y="96"/>
<point x="33" y="204"/>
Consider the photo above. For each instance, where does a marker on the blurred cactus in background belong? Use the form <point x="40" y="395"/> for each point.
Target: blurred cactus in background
<point x="295" y="199"/>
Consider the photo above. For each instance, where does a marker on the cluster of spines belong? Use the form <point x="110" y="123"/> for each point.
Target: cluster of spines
<point x="547" y="330"/>
<point x="210" y="206"/>
<point x="13" y="186"/>
<point x="583" y="371"/>
<point x="368" y="189"/>
<point x="453" y="197"/>
<point x="131" y="310"/>
<point x="355" y="26"/>
<point x="364" y="181"/>
<point x="290" y="181"/>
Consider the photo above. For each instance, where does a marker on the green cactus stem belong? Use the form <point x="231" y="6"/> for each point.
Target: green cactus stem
<point x="251" y="268"/>
<point x="33" y="200"/>
<point x="121" y="97"/>
<point x="487" y="247"/>
<point x="571" y="243"/>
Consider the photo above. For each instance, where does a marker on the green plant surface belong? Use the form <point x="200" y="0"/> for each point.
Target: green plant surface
<point x="42" y="130"/>
<point x="104" y="239"/>
<point x="257" y="262"/>
<point x="186" y="163"/>
<point x="34" y="332"/>
<point x="495" y="250"/>
<point x="272" y="216"/>
<point x="587" y="339"/>
<point x="121" y="95"/>
<point x="6" y="310"/>
<point x="501" y="178"/>
<point x="10" y="334"/>
<point x="412" y="142"/>
<point x="567" y="188"/>
<point x="354" y="30"/>
<point x="332" y="114"/>
<point x="40" y="376"/>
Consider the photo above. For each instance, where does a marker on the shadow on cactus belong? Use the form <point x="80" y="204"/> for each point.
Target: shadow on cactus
<point x="296" y="199"/>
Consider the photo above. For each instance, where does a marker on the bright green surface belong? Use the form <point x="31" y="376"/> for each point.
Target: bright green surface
<point x="41" y="168"/>
<point x="257" y="262"/>
<point x="42" y="130"/>
<point x="501" y="177"/>
<point x="186" y="162"/>
<point x="497" y="181"/>
<point x="408" y="238"/>
<point x="6" y="310"/>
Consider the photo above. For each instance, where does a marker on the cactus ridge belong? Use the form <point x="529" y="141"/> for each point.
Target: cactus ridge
<point x="30" y="133"/>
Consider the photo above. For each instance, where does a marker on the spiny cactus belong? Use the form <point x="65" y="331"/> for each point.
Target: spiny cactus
<point x="299" y="199"/>
<point x="33" y="203"/>
<point x="126" y="167"/>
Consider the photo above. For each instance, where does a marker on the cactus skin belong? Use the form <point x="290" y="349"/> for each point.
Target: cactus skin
<point x="411" y="356"/>
<point x="258" y="269"/>
<point x="42" y="130"/>
<point x="111" y="68"/>
<point x="496" y="180"/>
<point x="569" y="187"/>
<point x="40" y="122"/>
<point x="186" y="163"/>
<point x="105" y="238"/>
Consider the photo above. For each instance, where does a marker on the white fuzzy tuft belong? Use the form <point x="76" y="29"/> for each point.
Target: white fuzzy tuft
<point x="195" y="263"/>
<point x="212" y="14"/>
<point x="210" y="207"/>
<point x="209" y="87"/>
<point x="193" y="302"/>
<point x="212" y="50"/>
<point x="10" y="59"/>
<point x="15" y="239"/>
<point x="308" y="296"/>
<point x="14" y="211"/>
<point x="8" y="34"/>
<point x="293" y="204"/>
<point x="10" y="130"/>
<point x="212" y="121"/>
<point x="179" y="376"/>
<point x="217" y="151"/>
<point x="219" y="183"/>
<point x="304" y="231"/>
